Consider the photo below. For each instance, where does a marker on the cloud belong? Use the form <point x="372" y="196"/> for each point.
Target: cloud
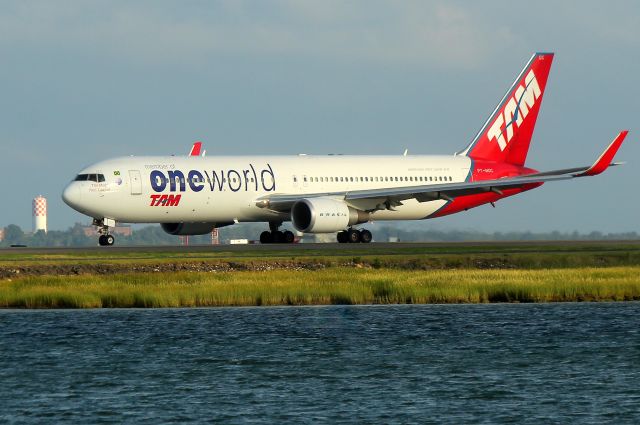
<point x="416" y="33"/>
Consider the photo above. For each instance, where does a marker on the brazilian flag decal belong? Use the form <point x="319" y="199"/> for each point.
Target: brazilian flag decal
<point x="116" y="173"/>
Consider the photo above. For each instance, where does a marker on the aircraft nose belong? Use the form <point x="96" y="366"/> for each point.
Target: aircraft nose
<point x="71" y="195"/>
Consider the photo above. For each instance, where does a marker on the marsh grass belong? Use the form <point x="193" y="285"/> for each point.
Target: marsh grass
<point x="336" y="285"/>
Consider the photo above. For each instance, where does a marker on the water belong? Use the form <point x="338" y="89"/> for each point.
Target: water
<point x="554" y="363"/>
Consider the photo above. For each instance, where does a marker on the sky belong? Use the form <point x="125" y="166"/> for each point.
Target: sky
<point x="82" y="81"/>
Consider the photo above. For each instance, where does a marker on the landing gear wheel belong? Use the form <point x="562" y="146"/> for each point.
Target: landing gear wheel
<point x="278" y="236"/>
<point x="365" y="236"/>
<point x="342" y="237"/>
<point x="106" y="240"/>
<point x="265" y="237"/>
<point x="288" y="236"/>
<point x="353" y="236"/>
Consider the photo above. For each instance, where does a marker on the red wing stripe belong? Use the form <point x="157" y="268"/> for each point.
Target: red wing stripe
<point x="607" y="156"/>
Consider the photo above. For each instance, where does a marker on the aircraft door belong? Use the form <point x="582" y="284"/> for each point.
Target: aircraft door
<point x="136" y="182"/>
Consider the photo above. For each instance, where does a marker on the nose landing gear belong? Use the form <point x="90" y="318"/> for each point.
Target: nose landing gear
<point x="354" y="236"/>
<point x="105" y="238"/>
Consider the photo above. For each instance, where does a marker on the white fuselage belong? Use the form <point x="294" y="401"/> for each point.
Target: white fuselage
<point x="161" y="189"/>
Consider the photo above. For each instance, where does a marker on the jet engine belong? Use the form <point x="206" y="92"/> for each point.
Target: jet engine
<point x="182" y="229"/>
<point x="325" y="215"/>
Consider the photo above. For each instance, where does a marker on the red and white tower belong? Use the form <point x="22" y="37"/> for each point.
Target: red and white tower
<point x="39" y="214"/>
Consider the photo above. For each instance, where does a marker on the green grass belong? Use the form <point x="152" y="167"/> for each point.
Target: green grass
<point x="335" y="285"/>
<point x="436" y="255"/>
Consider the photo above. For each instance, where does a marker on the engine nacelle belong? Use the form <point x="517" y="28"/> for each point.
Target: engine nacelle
<point x="324" y="215"/>
<point x="182" y="229"/>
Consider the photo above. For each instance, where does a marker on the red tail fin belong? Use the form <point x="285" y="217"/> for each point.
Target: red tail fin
<point x="506" y="135"/>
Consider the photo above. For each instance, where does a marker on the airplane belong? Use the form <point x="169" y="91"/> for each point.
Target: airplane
<point x="191" y="195"/>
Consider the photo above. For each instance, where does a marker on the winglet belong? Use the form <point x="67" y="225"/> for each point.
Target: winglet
<point x="607" y="156"/>
<point x="195" y="149"/>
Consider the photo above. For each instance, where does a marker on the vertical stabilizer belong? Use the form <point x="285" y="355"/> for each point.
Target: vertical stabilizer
<point x="506" y="135"/>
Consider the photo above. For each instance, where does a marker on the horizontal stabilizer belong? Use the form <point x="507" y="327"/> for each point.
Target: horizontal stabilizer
<point x="195" y="149"/>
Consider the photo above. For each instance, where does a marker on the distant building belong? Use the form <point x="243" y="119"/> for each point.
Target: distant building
<point x="117" y="230"/>
<point x="1" y="234"/>
<point x="39" y="214"/>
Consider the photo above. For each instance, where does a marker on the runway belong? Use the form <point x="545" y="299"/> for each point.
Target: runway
<point x="337" y="248"/>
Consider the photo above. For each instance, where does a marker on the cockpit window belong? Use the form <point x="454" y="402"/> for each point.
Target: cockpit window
<point x="98" y="178"/>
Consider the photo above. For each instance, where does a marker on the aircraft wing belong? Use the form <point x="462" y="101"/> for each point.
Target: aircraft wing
<point x="388" y="198"/>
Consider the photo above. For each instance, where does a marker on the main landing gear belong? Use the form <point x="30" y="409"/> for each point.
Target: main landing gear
<point x="276" y="236"/>
<point x="105" y="238"/>
<point x="354" y="236"/>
